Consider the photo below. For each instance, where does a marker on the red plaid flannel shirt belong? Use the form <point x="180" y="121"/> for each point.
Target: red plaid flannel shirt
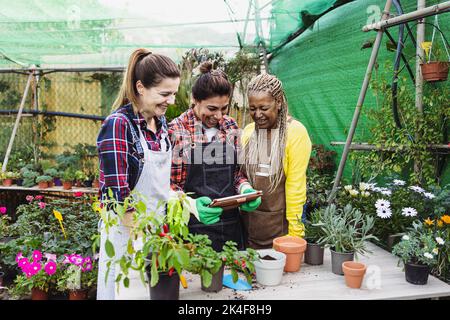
<point x="187" y="129"/>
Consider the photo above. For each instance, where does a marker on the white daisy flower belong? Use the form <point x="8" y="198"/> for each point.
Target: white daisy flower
<point x="386" y="192"/>
<point x="428" y="255"/>
<point x="435" y="251"/>
<point x="365" y="193"/>
<point x="384" y="213"/>
<point x="382" y="204"/>
<point x="348" y="187"/>
<point x="399" y="182"/>
<point x="363" y="186"/>
<point x="409" y="212"/>
<point x="417" y="189"/>
<point x="429" y="195"/>
<point x="440" y="241"/>
<point x="377" y="189"/>
<point x="353" y="193"/>
<point x="405" y="237"/>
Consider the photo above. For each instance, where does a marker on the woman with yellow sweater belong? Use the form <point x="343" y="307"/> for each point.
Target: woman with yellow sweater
<point x="276" y="150"/>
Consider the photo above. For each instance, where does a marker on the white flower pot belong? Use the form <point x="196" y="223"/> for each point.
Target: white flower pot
<point x="269" y="272"/>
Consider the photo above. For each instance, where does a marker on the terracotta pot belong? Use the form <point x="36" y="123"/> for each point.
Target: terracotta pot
<point x="67" y="185"/>
<point x="435" y="71"/>
<point x="294" y="248"/>
<point x="78" y="184"/>
<point x="354" y="273"/>
<point x="78" y="294"/>
<point x="7" y="182"/>
<point x="43" y="185"/>
<point x="51" y="184"/>
<point x="38" y="294"/>
<point x="95" y="184"/>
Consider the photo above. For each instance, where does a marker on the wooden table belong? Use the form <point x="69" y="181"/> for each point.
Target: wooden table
<point x="383" y="280"/>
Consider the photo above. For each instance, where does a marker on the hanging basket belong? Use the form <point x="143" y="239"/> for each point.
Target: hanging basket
<point x="434" y="71"/>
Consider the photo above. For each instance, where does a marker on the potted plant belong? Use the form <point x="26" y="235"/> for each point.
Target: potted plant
<point x="269" y="267"/>
<point x="67" y="178"/>
<point x="418" y="250"/>
<point x="29" y="177"/>
<point x="43" y="181"/>
<point x="9" y="177"/>
<point x="206" y="262"/>
<point x="294" y="248"/>
<point x="437" y="70"/>
<point x="54" y="173"/>
<point x="95" y="181"/>
<point x="314" y="251"/>
<point x="345" y="232"/>
<point x="79" y="177"/>
<point x="77" y="274"/>
<point x="239" y="261"/>
<point x="37" y="275"/>
<point x="354" y="273"/>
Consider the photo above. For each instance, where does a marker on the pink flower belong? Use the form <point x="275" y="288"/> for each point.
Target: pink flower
<point x="50" y="256"/>
<point x="29" y="198"/>
<point x="23" y="262"/>
<point x="87" y="260"/>
<point x="78" y="194"/>
<point x="39" y="197"/>
<point x="34" y="268"/>
<point x="42" y="205"/>
<point x="88" y="267"/>
<point x="50" y="267"/>
<point x="76" y="259"/>
<point x="19" y="256"/>
<point x="2" y="210"/>
<point x="67" y="259"/>
<point x="37" y="255"/>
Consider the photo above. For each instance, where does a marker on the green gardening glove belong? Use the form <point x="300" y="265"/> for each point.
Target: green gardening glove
<point x="251" y="205"/>
<point x="206" y="214"/>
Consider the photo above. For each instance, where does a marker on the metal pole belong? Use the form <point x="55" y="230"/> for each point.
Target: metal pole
<point x="362" y="95"/>
<point x="419" y="78"/>
<point x="411" y="16"/>
<point x="16" y="125"/>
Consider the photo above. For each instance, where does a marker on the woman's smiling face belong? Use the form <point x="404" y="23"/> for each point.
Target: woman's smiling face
<point x="264" y="109"/>
<point x="211" y="110"/>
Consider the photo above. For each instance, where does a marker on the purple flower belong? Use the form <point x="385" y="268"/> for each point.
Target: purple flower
<point x="50" y="267"/>
<point x="2" y="210"/>
<point x="29" y="198"/>
<point x="87" y="260"/>
<point x="37" y="255"/>
<point x="34" y="268"/>
<point x="88" y="267"/>
<point x="19" y="256"/>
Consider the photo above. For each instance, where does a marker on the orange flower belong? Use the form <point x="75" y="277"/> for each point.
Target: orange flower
<point x="440" y="223"/>
<point x="429" y="222"/>
<point x="446" y="218"/>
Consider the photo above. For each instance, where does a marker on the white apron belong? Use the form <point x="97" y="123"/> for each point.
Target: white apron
<point x="154" y="186"/>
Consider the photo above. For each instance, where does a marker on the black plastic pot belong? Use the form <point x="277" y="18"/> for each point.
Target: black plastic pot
<point x="314" y="254"/>
<point x="416" y="273"/>
<point x="167" y="288"/>
<point x="87" y="183"/>
<point x="392" y="240"/>
<point x="337" y="258"/>
<point x="216" y="282"/>
<point x="19" y="182"/>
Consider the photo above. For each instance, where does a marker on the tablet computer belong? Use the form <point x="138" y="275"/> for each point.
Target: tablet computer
<point x="235" y="201"/>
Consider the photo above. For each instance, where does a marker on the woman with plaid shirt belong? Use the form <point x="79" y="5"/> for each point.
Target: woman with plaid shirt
<point x="134" y="149"/>
<point x="204" y="160"/>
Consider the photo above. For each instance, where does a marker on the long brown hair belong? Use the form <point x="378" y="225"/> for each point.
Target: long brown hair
<point x="147" y="67"/>
<point x="211" y="83"/>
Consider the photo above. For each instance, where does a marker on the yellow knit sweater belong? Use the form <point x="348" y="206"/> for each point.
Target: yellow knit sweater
<point x="295" y="163"/>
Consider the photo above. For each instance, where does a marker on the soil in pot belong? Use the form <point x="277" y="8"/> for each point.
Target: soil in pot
<point x="416" y="273"/>
<point x="216" y="282"/>
<point x="337" y="258"/>
<point x="314" y="254"/>
<point x="354" y="273"/>
<point x="294" y="248"/>
<point x="269" y="268"/>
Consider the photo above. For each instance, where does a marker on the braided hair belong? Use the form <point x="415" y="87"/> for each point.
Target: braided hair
<point x="257" y="142"/>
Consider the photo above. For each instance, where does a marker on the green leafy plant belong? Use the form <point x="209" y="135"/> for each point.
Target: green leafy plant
<point x="43" y="178"/>
<point x="68" y="175"/>
<point x="77" y="273"/>
<point x="204" y="260"/>
<point x="29" y="177"/>
<point x="239" y="261"/>
<point x="52" y="172"/>
<point x="345" y="230"/>
<point x="313" y="232"/>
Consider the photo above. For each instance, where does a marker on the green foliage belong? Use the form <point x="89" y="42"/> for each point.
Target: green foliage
<point x="54" y="173"/>
<point x="401" y="148"/>
<point x="29" y="177"/>
<point x="345" y="230"/>
<point x="239" y="261"/>
<point x="44" y="178"/>
<point x="68" y="175"/>
<point x="72" y="277"/>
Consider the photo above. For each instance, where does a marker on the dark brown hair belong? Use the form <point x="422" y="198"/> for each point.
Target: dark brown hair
<point x="211" y="83"/>
<point x="148" y="67"/>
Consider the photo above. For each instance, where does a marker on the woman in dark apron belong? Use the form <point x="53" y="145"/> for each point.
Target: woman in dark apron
<point x="277" y="150"/>
<point x="204" y="162"/>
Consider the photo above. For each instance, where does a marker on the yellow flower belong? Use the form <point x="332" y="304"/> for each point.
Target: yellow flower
<point x="426" y="45"/>
<point x="96" y="206"/>
<point x="440" y="223"/>
<point x="429" y="222"/>
<point x="446" y="218"/>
